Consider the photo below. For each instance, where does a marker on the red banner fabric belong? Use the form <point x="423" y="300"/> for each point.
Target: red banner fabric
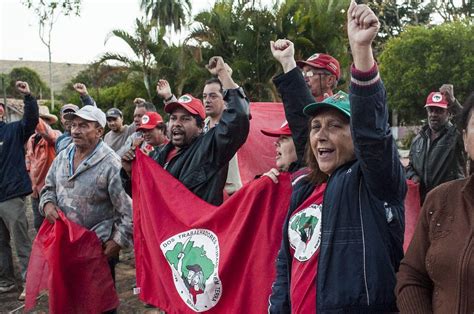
<point x="257" y="155"/>
<point x="412" y="210"/>
<point x="192" y="256"/>
<point x="68" y="260"/>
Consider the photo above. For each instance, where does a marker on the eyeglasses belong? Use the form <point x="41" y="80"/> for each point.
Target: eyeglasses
<point x="311" y="73"/>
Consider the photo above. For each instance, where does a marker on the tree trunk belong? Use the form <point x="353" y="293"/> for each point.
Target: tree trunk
<point x="51" y="79"/>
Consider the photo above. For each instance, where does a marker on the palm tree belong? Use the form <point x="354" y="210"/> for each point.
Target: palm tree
<point x="146" y="44"/>
<point x="168" y="13"/>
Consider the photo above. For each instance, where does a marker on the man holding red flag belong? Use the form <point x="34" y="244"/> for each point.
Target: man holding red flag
<point x="196" y="158"/>
<point x="213" y="259"/>
<point x="84" y="183"/>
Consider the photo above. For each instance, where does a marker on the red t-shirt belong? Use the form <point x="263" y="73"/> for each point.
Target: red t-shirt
<point x="173" y="152"/>
<point x="304" y="235"/>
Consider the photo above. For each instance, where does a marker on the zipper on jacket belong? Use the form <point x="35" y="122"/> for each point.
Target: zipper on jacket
<point x="363" y="245"/>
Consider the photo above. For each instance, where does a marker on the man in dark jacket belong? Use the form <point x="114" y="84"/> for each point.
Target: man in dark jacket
<point x="15" y="185"/>
<point x="436" y="154"/>
<point x="199" y="160"/>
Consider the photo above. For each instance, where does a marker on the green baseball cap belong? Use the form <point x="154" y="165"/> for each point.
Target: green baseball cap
<point x="340" y="101"/>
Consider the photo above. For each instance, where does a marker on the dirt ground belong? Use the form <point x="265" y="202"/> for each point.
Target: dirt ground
<point x="125" y="281"/>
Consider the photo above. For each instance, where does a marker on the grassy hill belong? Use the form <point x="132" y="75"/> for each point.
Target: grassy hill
<point x="62" y="72"/>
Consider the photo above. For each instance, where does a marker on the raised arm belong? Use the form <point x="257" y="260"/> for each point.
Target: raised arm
<point x="31" y="111"/>
<point x="86" y="99"/>
<point x="163" y="89"/>
<point x="373" y="141"/>
<point x="47" y="132"/>
<point x="294" y="93"/>
<point x="232" y="130"/>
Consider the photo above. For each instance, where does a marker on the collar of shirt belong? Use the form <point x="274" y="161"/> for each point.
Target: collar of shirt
<point x="71" y="154"/>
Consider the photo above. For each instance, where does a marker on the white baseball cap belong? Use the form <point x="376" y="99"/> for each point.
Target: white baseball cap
<point x="89" y="113"/>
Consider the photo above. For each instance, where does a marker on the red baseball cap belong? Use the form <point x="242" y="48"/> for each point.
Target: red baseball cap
<point x="322" y="61"/>
<point x="436" y="99"/>
<point x="283" y="130"/>
<point x="150" y="120"/>
<point x="189" y="103"/>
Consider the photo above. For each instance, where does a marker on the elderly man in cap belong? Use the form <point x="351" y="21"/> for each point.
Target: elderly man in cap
<point x="65" y="139"/>
<point x="200" y="160"/>
<point x="40" y="154"/>
<point x="119" y="133"/>
<point x="437" y="152"/>
<point x="15" y="185"/>
<point x="321" y="73"/>
<point x="84" y="183"/>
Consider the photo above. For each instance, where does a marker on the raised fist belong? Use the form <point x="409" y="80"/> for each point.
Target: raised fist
<point x="80" y="88"/>
<point x="138" y="101"/>
<point x="217" y="66"/>
<point x="282" y="50"/>
<point x="22" y="87"/>
<point x="448" y="91"/>
<point x="362" y="24"/>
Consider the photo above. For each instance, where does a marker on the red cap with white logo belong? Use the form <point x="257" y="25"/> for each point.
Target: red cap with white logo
<point x="150" y="120"/>
<point x="322" y="61"/>
<point x="189" y="103"/>
<point x="436" y="99"/>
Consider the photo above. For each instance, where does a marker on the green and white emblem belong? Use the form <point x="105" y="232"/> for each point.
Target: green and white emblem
<point x="193" y="256"/>
<point x="304" y="232"/>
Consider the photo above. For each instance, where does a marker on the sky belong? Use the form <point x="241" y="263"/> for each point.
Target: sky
<point x="75" y="39"/>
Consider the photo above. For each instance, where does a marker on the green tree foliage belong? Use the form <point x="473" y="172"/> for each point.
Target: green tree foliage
<point x="119" y="93"/>
<point x="241" y="34"/>
<point x="421" y="59"/>
<point x="96" y="76"/>
<point x="168" y="13"/>
<point x="37" y="86"/>
<point x="146" y="43"/>
<point x="396" y="15"/>
<point x="240" y="31"/>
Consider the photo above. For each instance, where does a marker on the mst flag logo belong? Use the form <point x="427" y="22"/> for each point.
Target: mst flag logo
<point x="304" y="232"/>
<point x="193" y="256"/>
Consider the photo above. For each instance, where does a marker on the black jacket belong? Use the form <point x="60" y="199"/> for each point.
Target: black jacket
<point x="436" y="162"/>
<point x="202" y="166"/>
<point x="14" y="179"/>
<point x="362" y="215"/>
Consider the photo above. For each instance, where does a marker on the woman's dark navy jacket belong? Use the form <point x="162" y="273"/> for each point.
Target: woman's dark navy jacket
<point x="363" y="209"/>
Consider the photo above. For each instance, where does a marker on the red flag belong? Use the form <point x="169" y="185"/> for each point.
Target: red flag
<point x="192" y="256"/>
<point x="412" y="211"/>
<point x="257" y="155"/>
<point x="68" y="260"/>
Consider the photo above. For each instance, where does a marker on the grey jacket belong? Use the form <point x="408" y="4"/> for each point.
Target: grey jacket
<point x="93" y="196"/>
